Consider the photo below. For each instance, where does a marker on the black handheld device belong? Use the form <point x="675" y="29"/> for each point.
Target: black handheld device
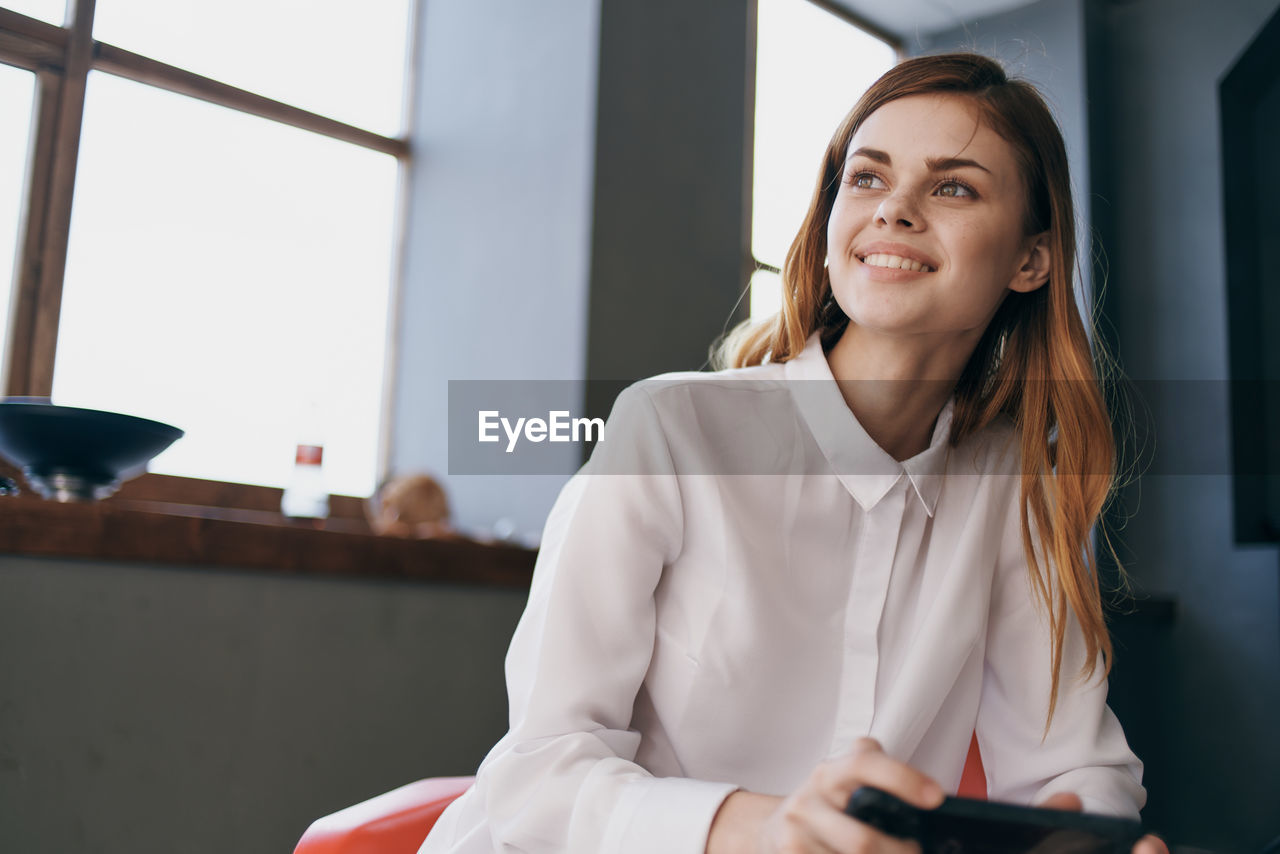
<point x="963" y="826"/>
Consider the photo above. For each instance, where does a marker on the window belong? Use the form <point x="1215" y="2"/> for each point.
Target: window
<point x="51" y="11"/>
<point x="810" y="68"/>
<point x="16" y="87"/>
<point x="228" y="260"/>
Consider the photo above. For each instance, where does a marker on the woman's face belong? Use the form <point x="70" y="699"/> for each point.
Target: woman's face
<point x="926" y="235"/>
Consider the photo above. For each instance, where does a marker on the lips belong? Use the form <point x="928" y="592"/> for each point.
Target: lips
<point x="896" y="256"/>
<point x="895" y="262"/>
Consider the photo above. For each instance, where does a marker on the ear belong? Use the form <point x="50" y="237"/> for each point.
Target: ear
<point x="1034" y="271"/>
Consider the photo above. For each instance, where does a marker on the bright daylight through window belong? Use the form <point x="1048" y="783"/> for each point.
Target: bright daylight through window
<point x="50" y="11"/>
<point x="16" y="87"/>
<point x="228" y="273"/>
<point x="810" y="68"/>
<point x="255" y="257"/>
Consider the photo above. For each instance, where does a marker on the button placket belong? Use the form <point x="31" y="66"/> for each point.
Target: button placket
<point x="872" y="568"/>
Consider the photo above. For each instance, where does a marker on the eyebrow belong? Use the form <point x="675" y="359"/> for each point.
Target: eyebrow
<point x="935" y="164"/>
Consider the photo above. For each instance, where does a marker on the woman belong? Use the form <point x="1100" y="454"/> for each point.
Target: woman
<point x="833" y="563"/>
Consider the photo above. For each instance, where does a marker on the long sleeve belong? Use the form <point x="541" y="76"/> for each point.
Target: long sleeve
<point x="1085" y="751"/>
<point x="564" y="778"/>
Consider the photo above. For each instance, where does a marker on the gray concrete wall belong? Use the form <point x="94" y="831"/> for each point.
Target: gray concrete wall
<point x="498" y="244"/>
<point x="673" y="178"/>
<point x="1158" y="67"/>
<point x="170" y="708"/>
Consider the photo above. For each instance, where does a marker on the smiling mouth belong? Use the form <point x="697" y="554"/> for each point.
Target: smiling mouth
<point x="895" y="262"/>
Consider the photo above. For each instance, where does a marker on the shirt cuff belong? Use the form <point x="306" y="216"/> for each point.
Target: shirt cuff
<point x="668" y="814"/>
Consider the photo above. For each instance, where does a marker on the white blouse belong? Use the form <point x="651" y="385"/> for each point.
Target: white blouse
<point x="740" y="583"/>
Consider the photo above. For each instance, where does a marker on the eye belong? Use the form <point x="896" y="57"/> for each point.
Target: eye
<point x="954" y="189"/>
<point x="865" y="181"/>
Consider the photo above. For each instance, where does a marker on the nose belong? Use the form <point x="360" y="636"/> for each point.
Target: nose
<point x="898" y="209"/>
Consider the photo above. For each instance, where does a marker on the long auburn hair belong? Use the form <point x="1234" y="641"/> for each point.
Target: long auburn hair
<point x="1033" y="363"/>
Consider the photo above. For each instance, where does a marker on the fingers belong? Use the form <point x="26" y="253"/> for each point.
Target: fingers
<point x="812" y="819"/>
<point x="868" y="765"/>
<point x="816" y="827"/>
<point x="1150" y="845"/>
<point x="1063" y="801"/>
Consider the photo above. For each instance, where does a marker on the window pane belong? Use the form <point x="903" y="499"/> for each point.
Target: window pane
<point x="53" y="11"/>
<point x="766" y="293"/>
<point x="341" y="59"/>
<point x="810" y="69"/>
<point x="17" y="88"/>
<point x="223" y="271"/>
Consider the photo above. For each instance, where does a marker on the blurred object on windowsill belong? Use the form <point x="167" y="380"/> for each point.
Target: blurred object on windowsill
<point x="412" y="505"/>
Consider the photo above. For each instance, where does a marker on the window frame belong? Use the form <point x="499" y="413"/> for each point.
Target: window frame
<point x="61" y="58"/>
<point x="163" y="518"/>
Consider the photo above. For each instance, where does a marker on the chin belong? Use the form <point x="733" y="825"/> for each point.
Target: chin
<point x="888" y="319"/>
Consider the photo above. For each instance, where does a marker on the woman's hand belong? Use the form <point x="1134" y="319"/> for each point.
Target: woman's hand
<point x="812" y="818"/>
<point x="1148" y="844"/>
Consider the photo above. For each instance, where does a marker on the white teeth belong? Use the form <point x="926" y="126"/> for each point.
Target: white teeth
<point x="896" y="262"/>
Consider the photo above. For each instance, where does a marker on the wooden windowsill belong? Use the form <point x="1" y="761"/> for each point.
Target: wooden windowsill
<point x="127" y="527"/>
<point x="177" y="520"/>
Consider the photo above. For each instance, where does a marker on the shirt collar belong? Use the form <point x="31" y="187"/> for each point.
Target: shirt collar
<point x="865" y="469"/>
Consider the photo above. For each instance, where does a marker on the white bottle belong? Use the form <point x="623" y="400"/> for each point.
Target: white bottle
<point x="306" y="496"/>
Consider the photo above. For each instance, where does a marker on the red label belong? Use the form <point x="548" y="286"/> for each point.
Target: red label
<point x="309" y="455"/>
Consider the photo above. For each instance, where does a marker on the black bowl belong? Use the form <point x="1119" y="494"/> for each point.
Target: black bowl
<point x="72" y="454"/>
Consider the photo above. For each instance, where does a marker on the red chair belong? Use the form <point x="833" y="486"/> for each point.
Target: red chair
<point x="391" y="823"/>
<point x="398" y="821"/>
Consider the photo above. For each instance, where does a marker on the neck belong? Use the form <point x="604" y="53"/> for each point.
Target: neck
<point x="897" y="385"/>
